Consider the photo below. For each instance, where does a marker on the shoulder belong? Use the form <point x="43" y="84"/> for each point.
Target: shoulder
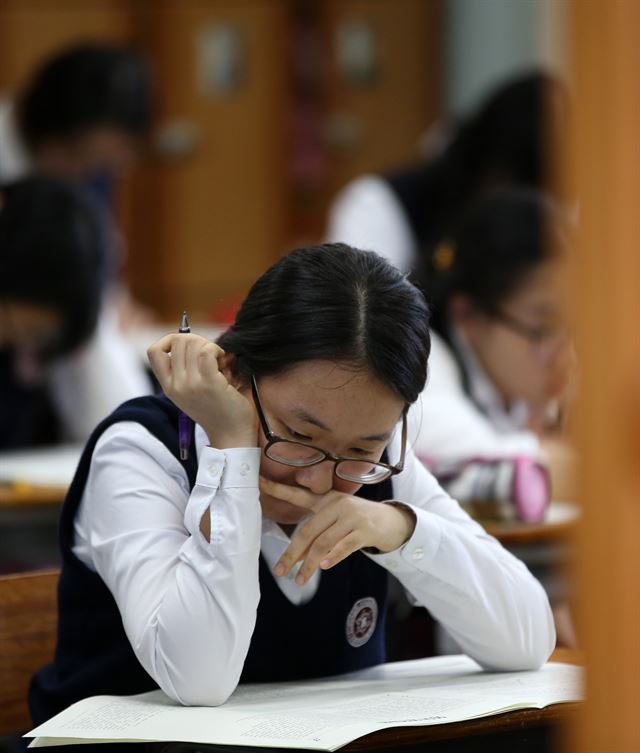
<point x="126" y="442"/>
<point x="366" y="191"/>
<point x="444" y="372"/>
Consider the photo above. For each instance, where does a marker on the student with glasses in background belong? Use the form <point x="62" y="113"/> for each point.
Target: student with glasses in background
<point x="501" y="356"/>
<point x="265" y="555"/>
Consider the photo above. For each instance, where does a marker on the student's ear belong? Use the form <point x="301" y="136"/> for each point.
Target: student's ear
<point x="462" y="314"/>
<point x="227" y="364"/>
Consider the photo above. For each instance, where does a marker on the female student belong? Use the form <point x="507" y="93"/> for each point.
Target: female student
<point x="405" y="214"/>
<point x="501" y="356"/>
<point x="264" y="555"/>
<point x="52" y="271"/>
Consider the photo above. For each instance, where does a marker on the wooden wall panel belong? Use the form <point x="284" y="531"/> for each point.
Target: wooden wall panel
<point x="389" y="114"/>
<point x="30" y="30"/>
<point x="605" y="168"/>
<point x="212" y="214"/>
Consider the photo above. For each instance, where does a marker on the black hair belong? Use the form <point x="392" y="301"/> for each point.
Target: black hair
<point x="83" y="87"/>
<point x="337" y="303"/>
<point x="504" y="142"/>
<point x="53" y="252"/>
<point x="499" y="241"/>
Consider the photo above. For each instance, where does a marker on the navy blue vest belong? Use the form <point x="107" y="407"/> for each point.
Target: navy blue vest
<point x="93" y="655"/>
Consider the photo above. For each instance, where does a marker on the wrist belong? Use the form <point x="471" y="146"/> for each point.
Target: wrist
<point x="231" y="440"/>
<point x="401" y="533"/>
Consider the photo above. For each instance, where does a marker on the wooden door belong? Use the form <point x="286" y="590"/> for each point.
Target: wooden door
<point x="605" y="160"/>
<point x="209" y="209"/>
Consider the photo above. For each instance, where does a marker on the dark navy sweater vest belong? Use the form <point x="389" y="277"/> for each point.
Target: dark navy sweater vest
<point x="94" y="657"/>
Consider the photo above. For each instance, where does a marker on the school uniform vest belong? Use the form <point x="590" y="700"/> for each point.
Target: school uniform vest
<point x="340" y="629"/>
<point x="418" y="193"/>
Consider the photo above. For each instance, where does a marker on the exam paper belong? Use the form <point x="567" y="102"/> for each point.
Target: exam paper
<point x="322" y="714"/>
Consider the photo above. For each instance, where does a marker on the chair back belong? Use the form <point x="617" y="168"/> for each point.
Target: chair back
<point x="28" y="620"/>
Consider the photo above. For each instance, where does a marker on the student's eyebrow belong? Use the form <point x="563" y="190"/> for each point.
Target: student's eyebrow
<point x="302" y="414"/>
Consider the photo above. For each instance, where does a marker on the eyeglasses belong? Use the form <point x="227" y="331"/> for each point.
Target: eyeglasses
<point x="540" y="337"/>
<point x="300" y="455"/>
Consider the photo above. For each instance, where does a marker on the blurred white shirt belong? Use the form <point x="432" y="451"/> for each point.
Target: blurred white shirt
<point x="449" y="426"/>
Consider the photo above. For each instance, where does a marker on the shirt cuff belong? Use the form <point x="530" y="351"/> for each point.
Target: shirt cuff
<point x="419" y="551"/>
<point x="234" y="468"/>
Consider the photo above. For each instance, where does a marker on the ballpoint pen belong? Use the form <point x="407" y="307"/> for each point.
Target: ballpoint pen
<point x="185" y="424"/>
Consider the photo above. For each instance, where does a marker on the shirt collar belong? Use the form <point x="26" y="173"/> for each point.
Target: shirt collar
<point x="484" y="393"/>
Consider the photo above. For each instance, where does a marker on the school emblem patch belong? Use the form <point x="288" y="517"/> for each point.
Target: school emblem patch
<point x="361" y="621"/>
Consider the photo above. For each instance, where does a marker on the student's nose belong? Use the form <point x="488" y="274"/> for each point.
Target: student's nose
<point x="316" y="478"/>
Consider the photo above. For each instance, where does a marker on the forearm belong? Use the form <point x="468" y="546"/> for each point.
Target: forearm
<point x="196" y="643"/>
<point x="188" y="604"/>
<point x="484" y="597"/>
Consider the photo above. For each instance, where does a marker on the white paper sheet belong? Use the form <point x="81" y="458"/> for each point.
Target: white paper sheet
<point x="47" y="466"/>
<point x="319" y="714"/>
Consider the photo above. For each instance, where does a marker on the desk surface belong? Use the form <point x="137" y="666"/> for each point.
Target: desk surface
<point x="21" y="495"/>
<point x="525" y="731"/>
<point x="559" y="524"/>
<point x="488" y="726"/>
<point x="38" y="477"/>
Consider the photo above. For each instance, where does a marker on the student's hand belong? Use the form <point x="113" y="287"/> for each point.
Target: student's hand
<point x="341" y="524"/>
<point x="193" y="373"/>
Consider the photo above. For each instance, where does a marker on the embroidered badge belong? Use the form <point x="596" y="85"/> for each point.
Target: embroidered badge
<point x="361" y="621"/>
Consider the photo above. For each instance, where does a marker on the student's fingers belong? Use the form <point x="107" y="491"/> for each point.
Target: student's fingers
<point x="292" y="494"/>
<point x="192" y="349"/>
<point x="336" y="543"/>
<point x="162" y="345"/>
<point x="160" y="360"/>
<point x="179" y="362"/>
<point x="311" y="535"/>
<point x="209" y="357"/>
<point x="342" y="549"/>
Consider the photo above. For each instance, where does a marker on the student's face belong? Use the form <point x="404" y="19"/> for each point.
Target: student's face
<point x="521" y="367"/>
<point x="99" y="150"/>
<point x="27" y="326"/>
<point x="332" y="407"/>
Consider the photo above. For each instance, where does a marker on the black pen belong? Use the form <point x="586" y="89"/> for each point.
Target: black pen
<point x="185" y="424"/>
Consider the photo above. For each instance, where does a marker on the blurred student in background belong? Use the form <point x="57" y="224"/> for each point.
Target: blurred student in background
<point x="405" y="214"/>
<point x="501" y="354"/>
<point x="53" y="261"/>
<point x="82" y="118"/>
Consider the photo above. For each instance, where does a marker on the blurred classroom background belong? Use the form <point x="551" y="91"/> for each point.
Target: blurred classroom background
<point x="265" y="109"/>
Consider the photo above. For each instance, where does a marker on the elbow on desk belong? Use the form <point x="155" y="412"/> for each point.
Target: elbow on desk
<point x="528" y="651"/>
<point x="209" y="694"/>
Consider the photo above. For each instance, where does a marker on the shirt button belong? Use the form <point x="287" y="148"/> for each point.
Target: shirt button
<point x="214" y="469"/>
<point x="418" y="553"/>
<point x="244" y="469"/>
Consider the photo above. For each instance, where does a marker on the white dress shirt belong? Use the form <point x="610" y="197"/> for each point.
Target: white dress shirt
<point x="189" y="605"/>
<point x="448" y="426"/>
<point x="368" y="215"/>
<point x="14" y="162"/>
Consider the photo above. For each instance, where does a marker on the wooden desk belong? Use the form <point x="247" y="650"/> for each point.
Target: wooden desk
<point x="37" y="477"/>
<point x="524" y="731"/>
<point x="27" y="496"/>
<point x="560" y="525"/>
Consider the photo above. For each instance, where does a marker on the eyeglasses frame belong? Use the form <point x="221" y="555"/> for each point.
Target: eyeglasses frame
<point x="535" y="335"/>
<point x="275" y="439"/>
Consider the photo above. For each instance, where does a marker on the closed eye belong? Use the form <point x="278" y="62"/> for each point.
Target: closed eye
<point x="297" y="436"/>
<point x="360" y="451"/>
